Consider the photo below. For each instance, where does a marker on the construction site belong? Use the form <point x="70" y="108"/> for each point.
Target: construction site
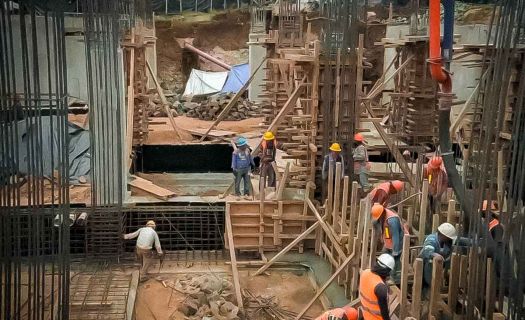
<point x="262" y="159"/>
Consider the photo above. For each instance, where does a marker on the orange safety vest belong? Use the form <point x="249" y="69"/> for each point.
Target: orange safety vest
<point x="369" y="303"/>
<point x="338" y="312"/>
<point x="385" y="186"/>
<point x="387" y="234"/>
<point x="493" y="224"/>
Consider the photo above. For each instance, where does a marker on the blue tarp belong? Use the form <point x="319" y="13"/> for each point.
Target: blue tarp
<point x="237" y="77"/>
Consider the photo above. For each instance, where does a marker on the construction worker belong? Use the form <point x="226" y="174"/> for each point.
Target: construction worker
<point x="333" y="157"/>
<point x="361" y="164"/>
<point x="242" y="163"/>
<point x="392" y="231"/>
<point x="438" y="244"/>
<point x="344" y="313"/>
<point x="147" y="237"/>
<point x="373" y="291"/>
<point x="438" y="182"/>
<point x="495" y="228"/>
<point x="381" y="194"/>
<point x="267" y="155"/>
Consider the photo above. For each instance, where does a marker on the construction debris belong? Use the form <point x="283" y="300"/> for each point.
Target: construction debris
<point x="210" y="109"/>
<point x="265" y="307"/>
<point x="208" y="297"/>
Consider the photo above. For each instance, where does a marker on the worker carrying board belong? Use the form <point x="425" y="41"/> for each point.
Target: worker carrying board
<point x="391" y="229"/>
<point x="373" y="290"/>
<point x="384" y="191"/>
<point x="147" y="237"/>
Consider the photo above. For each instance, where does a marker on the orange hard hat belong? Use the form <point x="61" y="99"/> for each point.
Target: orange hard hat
<point x="435" y="162"/>
<point x="377" y="211"/>
<point x="398" y="185"/>
<point x="359" y="137"/>
<point x="351" y="313"/>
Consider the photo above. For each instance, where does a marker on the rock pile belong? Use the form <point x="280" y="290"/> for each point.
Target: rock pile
<point x="208" y="297"/>
<point x="212" y="107"/>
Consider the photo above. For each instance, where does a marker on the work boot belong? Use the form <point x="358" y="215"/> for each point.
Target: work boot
<point x="237" y="197"/>
<point x="247" y="197"/>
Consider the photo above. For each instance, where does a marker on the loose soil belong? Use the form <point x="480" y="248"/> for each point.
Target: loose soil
<point x="292" y="291"/>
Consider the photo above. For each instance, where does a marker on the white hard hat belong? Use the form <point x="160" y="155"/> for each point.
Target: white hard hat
<point x="387" y="261"/>
<point x="448" y="230"/>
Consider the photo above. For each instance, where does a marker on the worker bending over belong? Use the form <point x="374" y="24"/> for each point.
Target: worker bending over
<point x="147" y="237"/>
<point x="361" y="164"/>
<point x="437" y="183"/>
<point x="438" y="244"/>
<point x="242" y="163"/>
<point x="332" y="158"/>
<point x="392" y="230"/>
<point x="373" y="291"/>
<point x="344" y="313"/>
<point x="382" y="193"/>
<point x="267" y="154"/>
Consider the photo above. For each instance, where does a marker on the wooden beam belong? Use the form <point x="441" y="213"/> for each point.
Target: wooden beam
<point x="326" y="229"/>
<point x="151" y="188"/>
<point x="327" y="283"/>
<point x="374" y="93"/>
<point x="130" y="102"/>
<point x="417" y="287"/>
<point x="233" y="258"/>
<point x="232" y="102"/>
<point x="132" y="295"/>
<point x="282" y="182"/>
<point x="405" y="264"/>
<point x="437" y="281"/>
<point x="344" y="208"/>
<point x="287" y="248"/>
<point x="453" y="283"/>
<point x="423" y="212"/>
<point x="337" y="101"/>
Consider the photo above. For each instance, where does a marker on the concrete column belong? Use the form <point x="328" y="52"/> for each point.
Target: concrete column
<point x="257" y="54"/>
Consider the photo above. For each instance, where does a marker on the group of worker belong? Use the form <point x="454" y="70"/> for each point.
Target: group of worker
<point x="243" y="163"/>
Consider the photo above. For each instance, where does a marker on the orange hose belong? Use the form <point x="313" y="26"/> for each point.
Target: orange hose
<point x="436" y="67"/>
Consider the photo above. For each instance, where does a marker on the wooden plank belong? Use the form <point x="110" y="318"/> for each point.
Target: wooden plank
<point x="282" y="182"/>
<point x="344" y="208"/>
<point x="435" y="222"/>
<point x="233" y="258"/>
<point x="132" y="295"/>
<point x="437" y="281"/>
<point x="451" y="211"/>
<point x="366" y="235"/>
<point x="416" y="288"/>
<point x="379" y="88"/>
<point x="330" y="198"/>
<point x="326" y="229"/>
<point x="423" y="211"/>
<point x="337" y="101"/>
<point x="327" y="283"/>
<point x="337" y="195"/>
<point x="232" y="102"/>
<point x="131" y="103"/>
<point x="490" y="291"/>
<point x="405" y="264"/>
<point x="354" y="214"/>
<point x="453" y="283"/>
<point x="150" y="187"/>
<point x="288" y="247"/>
<point x="212" y="133"/>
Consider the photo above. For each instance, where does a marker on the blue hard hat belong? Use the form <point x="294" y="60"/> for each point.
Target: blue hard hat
<point x="241" y="141"/>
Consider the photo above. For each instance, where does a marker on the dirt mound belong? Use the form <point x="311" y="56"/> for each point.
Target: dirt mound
<point x="227" y="30"/>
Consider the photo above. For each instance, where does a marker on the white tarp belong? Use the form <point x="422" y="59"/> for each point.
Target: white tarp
<point x="203" y="82"/>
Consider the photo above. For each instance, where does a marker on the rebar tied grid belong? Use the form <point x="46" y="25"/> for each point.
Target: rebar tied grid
<point x="34" y="254"/>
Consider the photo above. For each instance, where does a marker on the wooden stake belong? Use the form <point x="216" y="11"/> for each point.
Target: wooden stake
<point x="490" y="290"/>
<point x="453" y="283"/>
<point x="282" y="182"/>
<point x="344" y="227"/>
<point x="337" y="101"/>
<point x="330" y="199"/>
<point x="233" y="258"/>
<point x="423" y="212"/>
<point x="354" y="199"/>
<point x="437" y="281"/>
<point x="366" y="237"/>
<point x="337" y="194"/>
<point x="417" y="287"/>
<point x="405" y="264"/>
<point x="435" y="222"/>
<point x="451" y="212"/>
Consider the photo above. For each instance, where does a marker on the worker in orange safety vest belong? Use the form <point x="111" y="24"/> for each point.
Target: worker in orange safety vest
<point x="392" y="230"/>
<point x="437" y="182"/>
<point x="373" y="291"/>
<point x="344" y="313"/>
<point x="382" y="193"/>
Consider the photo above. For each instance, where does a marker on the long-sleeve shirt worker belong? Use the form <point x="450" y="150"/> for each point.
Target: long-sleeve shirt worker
<point x="242" y="159"/>
<point x="381" y="292"/>
<point x="326" y="164"/>
<point x="360" y="156"/>
<point x="147" y="237"/>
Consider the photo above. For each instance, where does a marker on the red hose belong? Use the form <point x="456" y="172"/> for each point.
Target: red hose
<point x="436" y="67"/>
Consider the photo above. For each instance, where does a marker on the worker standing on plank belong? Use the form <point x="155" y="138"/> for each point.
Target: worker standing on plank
<point x="332" y="158"/>
<point x="344" y="313"/>
<point x="373" y="291"/>
<point x="392" y="230"/>
<point x="438" y="244"/>
<point x="242" y="163"/>
<point x="268" y="153"/>
<point x="147" y="237"/>
<point x="382" y="193"/>
<point x="361" y="164"/>
<point x="437" y="183"/>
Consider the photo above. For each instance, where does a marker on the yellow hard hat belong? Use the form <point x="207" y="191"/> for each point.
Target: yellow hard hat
<point x="268" y="135"/>
<point x="150" y="223"/>
<point x="335" y="147"/>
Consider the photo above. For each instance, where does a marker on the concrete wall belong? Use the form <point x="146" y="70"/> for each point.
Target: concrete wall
<point x="257" y="53"/>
